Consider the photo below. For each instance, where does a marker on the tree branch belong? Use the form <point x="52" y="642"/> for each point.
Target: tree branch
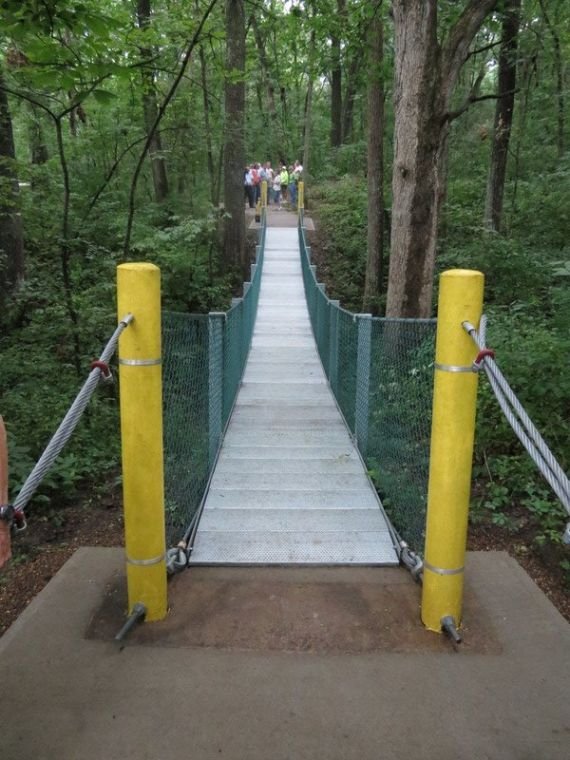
<point x="484" y="48"/>
<point x="114" y="167"/>
<point x="451" y="115"/>
<point x="456" y="47"/>
<point x="160" y="114"/>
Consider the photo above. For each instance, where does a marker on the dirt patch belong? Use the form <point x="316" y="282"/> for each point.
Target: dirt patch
<point x="47" y="544"/>
<point x="316" y="610"/>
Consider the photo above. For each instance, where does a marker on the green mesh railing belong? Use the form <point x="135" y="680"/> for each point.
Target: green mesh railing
<point x="381" y="372"/>
<point x="204" y="356"/>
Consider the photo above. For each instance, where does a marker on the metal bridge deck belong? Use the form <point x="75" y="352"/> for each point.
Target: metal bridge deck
<point x="289" y="486"/>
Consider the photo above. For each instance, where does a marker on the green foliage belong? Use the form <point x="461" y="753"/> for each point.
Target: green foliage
<point x="186" y="252"/>
<point x="340" y="207"/>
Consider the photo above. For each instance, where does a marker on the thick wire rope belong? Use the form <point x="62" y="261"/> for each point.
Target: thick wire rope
<point x="69" y="422"/>
<point x="522" y="425"/>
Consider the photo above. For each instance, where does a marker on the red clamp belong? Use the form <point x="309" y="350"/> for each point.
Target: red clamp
<point x="15" y="518"/>
<point x="481" y="356"/>
<point x="19" y="520"/>
<point x="104" y="367"/>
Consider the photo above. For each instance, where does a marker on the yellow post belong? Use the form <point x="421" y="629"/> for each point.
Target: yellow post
<point x="264" y="193"/>
<point x="453" y="430"/>
<point x="138" y="292"/>
<point x="300" y="198"/>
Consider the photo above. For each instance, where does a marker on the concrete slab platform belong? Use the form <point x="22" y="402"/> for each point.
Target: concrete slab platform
<point x="285" y="664"/>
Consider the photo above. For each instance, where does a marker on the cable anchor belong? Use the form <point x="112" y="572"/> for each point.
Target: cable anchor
<point x="15" y="518"/>
<point x="412" y="561"/>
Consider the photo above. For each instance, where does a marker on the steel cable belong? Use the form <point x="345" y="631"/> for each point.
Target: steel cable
<point x="524" y="428"/>
<point x="69" y="422"/>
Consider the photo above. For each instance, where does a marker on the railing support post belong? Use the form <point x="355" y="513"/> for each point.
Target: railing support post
<point x="138" y="292"/>
<point x="364" y="322"/>
<point x="453" y="431"/>
<point x="215" y="381"/>
<point x="333" y="345"/>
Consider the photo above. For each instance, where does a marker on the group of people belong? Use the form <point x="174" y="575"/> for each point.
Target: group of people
<point x="281" y="183"/>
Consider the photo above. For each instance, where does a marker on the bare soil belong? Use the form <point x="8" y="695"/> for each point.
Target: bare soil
<point x="48" y="542"/>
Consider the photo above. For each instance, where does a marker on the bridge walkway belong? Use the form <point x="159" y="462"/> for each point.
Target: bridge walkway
<point x="289" y="486"/>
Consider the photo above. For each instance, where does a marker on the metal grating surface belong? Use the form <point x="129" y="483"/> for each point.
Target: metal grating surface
<point x="294" y="549"/>
<point x="289" y="487"/>
<point x="288" y="520"/>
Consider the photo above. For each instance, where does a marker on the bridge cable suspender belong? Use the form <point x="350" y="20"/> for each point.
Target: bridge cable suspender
<point x="14" y="513"/>
<point x="518" y="419"/>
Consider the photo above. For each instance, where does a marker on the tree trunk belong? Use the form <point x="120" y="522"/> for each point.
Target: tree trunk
<point x="11" y="232"/>
<point x="528" y="71"/>
<point x="209" y="150"/>
<point x="425" y="75"/>
<point x="38" y="147"/>
<point x="349" y="96"/>
<point x="559" y="65"/>
<point x="150" y="108"/>
<point x="275" y="124"/>
<point x="234" y="145"/>
<point x="503" y="117"/>
<point x="336" y="77"/>
<point x="375" y="237"/>
<point x="308" y="108"/>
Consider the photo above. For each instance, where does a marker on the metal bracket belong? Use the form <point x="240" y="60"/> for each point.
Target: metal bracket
<point x="15" y="518"/>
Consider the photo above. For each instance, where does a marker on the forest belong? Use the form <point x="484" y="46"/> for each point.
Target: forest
<point x="432" y="134"/>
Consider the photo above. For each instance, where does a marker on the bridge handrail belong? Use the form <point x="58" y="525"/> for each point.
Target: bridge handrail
<point x="381" y="373"/>
<point x="520" y="422"/>
<point x="15" y="513"/>
<point x="222" y="340"/>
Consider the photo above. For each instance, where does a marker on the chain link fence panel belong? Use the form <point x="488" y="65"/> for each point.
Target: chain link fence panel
<point x="204" y="356"/>
<point x="381" y="372"/>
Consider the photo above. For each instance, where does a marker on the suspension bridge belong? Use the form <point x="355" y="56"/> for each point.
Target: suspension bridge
<point x="289" y="486"/>
<point x="276" y="413"/>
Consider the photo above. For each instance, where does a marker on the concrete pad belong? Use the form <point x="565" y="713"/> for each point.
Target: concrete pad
<point x="244" y="669"/>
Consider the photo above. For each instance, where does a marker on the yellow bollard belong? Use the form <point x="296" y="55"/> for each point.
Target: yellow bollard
<point x="140" y="375"/>
<point x="264" y="193"/>
<point x="453" y="431"/>
<point x="300" y="198"/>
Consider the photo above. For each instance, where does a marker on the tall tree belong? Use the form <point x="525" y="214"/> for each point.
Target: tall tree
<point x="11" y="233"/>
<point x="375" y="236"/>
<point x="214" y="190"/>
<point x="150" y="108"/>
<point x="308" y="111"/>
<point x="559" y="68"/>
<point x="424" y="80"/>
<point x="336" y="75"/>
<point x="506" y="83"/>
<point x="234" y="251"/>
<point x="274" y="124"/>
